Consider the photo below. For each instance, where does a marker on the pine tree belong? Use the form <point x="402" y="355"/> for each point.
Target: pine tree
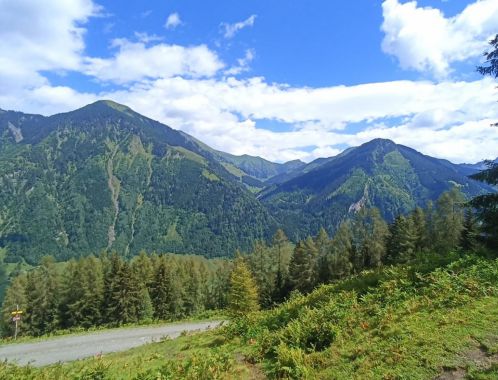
<point x="192" y="300"/>
<point x="165" y="291"/>
<point x="341" y="252"/>
<point x="470" y="232"/>
<point x="221" y="285"/>
<point x="122" y="300"/>
<point x="243" y="294"/>
<point x="370" y="233"/>
<point x="401" y="242"/>
<point x="322" y="243"/>
<point x="146" y="309"/>
<point x="419" y="219"/>
<point x="448" y="221"/>
<point x="302" y="269"/>
<point x="279" y="241"/>
<point x="42" y="298"/>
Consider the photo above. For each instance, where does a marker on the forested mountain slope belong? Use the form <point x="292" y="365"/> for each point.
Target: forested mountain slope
<point x="379" y="173"/>
<point x="107" y="178"/>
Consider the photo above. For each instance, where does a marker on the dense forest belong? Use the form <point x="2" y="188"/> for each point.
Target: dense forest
<point x="109" y="290"/>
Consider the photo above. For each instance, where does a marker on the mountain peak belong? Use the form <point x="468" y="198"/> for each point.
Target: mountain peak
<point x="111" y="104"/>
<point x="106" y="106"/>
<point x="380" y="142"/>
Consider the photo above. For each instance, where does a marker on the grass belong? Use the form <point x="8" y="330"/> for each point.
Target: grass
<point x="396" y="323"/>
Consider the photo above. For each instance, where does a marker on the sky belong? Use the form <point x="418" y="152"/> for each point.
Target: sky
<point x="280" y="79"/>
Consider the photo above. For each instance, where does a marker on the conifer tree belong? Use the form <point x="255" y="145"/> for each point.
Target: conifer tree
<point x="122" y="300"/>
<point x="341" y="252"/>
<point x="470" y="232"/>
<point x="146" y="309"/>
<point x="421" y="242"/>
<point x="322" y="243"/>
<point x="192" y="300"/>
<point x="165" y="291"/>
<point x="448" y="222"/>
<point x="243" y="294"/>
<point x="279" y="241"/>
<point x="42" y="298"/>
<point x="401" y="242"/>
<point x="302" y="269"/>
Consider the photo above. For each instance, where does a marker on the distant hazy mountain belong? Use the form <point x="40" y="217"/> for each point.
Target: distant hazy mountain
<point x="107" y="178"/>
<point x="474" y="168"/>
<point x="380" y="173"/>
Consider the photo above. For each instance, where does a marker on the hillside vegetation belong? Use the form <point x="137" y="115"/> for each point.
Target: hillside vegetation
<point x="400" y="322"/>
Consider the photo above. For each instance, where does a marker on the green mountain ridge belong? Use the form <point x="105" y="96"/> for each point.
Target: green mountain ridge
<point x="379" y="173"/>
<point x="105" y="178"/>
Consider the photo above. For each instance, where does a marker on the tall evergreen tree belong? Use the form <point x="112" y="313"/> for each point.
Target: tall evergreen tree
<point x="322" y="243"/>
<point x="302" y="269"/>
<point x="42" y="298"/>
<point x="418" y="217"/>
<point x="470" y="232"/>
<point x="341" y="252"/>
<point x="243" y="294"/>
<point x="279" y="241"/>
<point x="402" y="240"/>
<point x="166" y="294"/>
<point x="122" y="299"/>
<point x="448" y="222"/>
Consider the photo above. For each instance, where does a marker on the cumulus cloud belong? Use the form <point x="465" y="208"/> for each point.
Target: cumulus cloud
<point x="231" y="30"/>
<point x="36" y="36"/>
<point x="186" y="88"/>
<point x="135" y="61"/>
<point x="173" y="21"/>
<point x="423" y="39"/>
<point x="226" y="115"/>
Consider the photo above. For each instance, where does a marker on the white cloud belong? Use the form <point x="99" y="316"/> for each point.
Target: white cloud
<point x="232" y="29"/>
<point x="242" y="63"/>
<point x="225" y="114"/>
<point x="37" y="36"/>
<point x="173" y="21"/>
<point x="423" y="39"/>
<point x="186" y="88"/>
<point x="134" y="61"/>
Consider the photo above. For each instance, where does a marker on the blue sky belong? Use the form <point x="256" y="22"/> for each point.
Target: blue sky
<point x="282" y="79"/>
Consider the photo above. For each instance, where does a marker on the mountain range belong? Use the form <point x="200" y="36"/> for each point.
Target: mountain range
<point x="105" y="178"/>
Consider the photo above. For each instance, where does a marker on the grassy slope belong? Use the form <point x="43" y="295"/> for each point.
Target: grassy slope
<point x="398" y="323"/>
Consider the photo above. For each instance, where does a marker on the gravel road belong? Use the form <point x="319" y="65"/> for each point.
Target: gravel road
<point x="64" y="349"/>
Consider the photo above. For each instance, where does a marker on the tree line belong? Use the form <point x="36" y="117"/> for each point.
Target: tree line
<point x="109" y="290"/>
<point x="362" y="242"/>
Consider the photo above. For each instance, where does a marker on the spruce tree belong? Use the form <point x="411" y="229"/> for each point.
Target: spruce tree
<point x="302" y="269"/>
<point x="165" y="291"/>
<point x="43" y="298"/>
<point x="340" y="264"/>
<point x="448" y="222"/>
<point x="470" y="232"/>
<point x="401" y="242"/>
<point x="322" y="243"/>
<point x="419" y="219"/>
<point x="279" y="241"/>
<point x="243" y="294"/>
